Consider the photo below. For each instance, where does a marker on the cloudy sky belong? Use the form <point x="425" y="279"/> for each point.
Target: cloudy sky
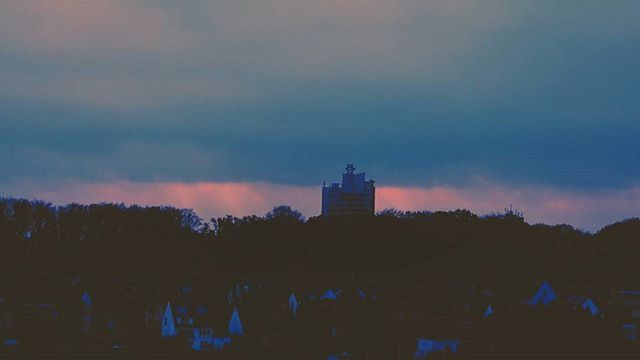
<point x="234" y="106"/>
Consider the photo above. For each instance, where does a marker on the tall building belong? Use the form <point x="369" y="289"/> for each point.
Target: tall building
<point x="354" y="196"/>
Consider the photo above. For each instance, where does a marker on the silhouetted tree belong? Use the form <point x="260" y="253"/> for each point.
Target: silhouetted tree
<point x="284" y="212"/>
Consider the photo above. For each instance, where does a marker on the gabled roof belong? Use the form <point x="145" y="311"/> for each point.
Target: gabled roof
<point x="591" y="307"/>
<point x="168" y="325"/>
<point x="545" y="295"/>
<point x="584" y="303"/>
<point x="329" y="295"/>
<point x="489" y="311"/>
<point x="235" y="326"/>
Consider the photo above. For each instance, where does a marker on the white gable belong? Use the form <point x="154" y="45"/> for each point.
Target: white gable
<point x="235" y="326"/>
<point x="168" y="324"/>
<point x="545" y="295"/>
<point x="489" y="311"/>
<point x="591" y="307"/>
<point x="329" y="295"/>
<point x="293" y="304"/>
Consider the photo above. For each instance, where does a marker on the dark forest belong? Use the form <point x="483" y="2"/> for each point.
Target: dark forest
<point x="441" y="266"/>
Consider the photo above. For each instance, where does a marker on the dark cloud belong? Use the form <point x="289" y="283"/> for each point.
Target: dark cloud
<point x="286" y="91"/>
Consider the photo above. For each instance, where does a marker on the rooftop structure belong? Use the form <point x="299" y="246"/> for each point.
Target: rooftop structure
<point x="354" y="196"/>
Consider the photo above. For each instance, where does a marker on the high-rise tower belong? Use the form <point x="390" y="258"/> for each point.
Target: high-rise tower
<point x="354" y="196"/>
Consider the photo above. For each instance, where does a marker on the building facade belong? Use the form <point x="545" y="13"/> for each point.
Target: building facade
<point x="354" y="196"/>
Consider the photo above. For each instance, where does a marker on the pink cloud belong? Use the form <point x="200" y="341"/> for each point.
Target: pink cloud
<point x="207" y="198"/>
<point x="76" y="25"/>
<point x="587" y="210"/>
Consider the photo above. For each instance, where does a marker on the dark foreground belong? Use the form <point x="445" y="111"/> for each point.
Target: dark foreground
<point x="97" y="282"/>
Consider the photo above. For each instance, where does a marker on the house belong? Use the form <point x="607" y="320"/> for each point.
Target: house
<point x="329" y="295"/>
<point x="168" y="323"/>
<point x="235" y="325"/>
<point x="545" y="295"/>
<point x="293" y="304"/>
<point x="184" y="316"/>
<point x="590" y="306"/>
<point x="424" y="347"/>
<point x="582" y="303"/>
<point x="220" y="342"/>
<point x="196" y="325"/>
<point x="488" y="312"/>
<point x="204" y="339"/>
<point x="86" y="317"/>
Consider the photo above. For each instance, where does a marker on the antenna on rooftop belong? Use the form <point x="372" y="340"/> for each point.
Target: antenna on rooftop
<point x="513" y="212"/>
<point x="350" y="168"/>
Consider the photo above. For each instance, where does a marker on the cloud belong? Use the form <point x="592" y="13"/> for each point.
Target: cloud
<point x="208" y="199"/>
<point x="586" y="210"/>
<point x="114" y="54"/>
<point x="126" y="160"/>
<point x="357" y="39"/>
<point x="284" y="91"/>
<point x="120" y="54"/>
<point x="121" y="91"/>
<point x="77" y="27"/>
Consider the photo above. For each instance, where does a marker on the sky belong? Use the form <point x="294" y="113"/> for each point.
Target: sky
<point x="232" y="107"/>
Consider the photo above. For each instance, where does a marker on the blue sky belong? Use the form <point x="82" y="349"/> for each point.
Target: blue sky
<point x="525" y="96"/>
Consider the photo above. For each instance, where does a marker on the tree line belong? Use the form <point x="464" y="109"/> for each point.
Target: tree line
<point x="104" y="245"/>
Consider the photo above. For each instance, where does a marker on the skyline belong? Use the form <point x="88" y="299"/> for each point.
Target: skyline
<point x="234" y="108"/>
<point x="588" y="212"/>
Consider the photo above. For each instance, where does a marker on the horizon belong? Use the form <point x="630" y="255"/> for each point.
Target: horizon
<point x="208" y="218"/>
<point x="231" y="108"/>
